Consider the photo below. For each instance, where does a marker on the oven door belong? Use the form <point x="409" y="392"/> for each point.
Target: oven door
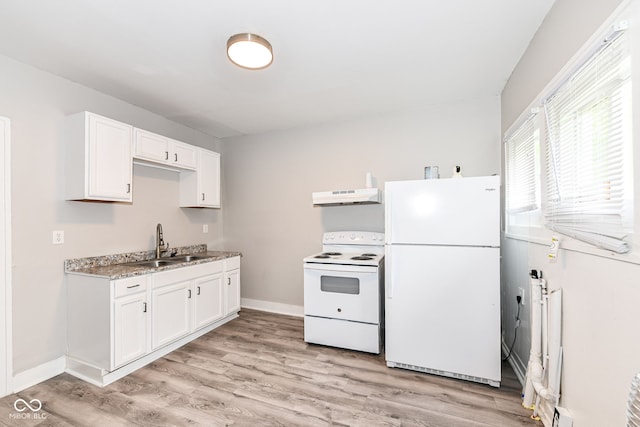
<point x="347" y="292"/>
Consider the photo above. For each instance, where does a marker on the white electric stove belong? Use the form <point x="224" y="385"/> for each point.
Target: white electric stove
<point x="343" y="291"/>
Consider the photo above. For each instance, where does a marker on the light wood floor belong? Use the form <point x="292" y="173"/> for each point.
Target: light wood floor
<point x="258" y="371"/>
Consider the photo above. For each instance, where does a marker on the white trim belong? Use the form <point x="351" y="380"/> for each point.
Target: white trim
<point x="572" y="245"/>
<point x="6" y="337"/>
<point x="273" y="307"/>
<point x="38" y="374"/>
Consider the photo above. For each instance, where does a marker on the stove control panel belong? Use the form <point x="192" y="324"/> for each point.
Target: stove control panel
<point x="353" y="237"/>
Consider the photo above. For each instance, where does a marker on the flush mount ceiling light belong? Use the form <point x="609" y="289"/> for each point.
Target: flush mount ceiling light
<point x="249" y="51"/>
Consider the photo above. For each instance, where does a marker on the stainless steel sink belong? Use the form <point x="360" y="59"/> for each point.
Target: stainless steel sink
<point x="187" y="258"/>
<point x="154" y="263"/>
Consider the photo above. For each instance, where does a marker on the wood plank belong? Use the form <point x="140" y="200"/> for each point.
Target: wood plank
<point x="258" y="371"/>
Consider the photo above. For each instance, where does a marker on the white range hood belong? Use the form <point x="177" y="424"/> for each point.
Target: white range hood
<point x="346" y="197"/>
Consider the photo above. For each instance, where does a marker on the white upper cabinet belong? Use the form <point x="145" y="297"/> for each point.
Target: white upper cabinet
<point x="99" y="160"/>
<point x="201" y="188"/>
<point x="184" y="155"/>
<point x="162" y="151"/>
<point x="150" y="146"/>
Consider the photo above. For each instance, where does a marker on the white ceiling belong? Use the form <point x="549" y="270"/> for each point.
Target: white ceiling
<point x="333" y="59"/>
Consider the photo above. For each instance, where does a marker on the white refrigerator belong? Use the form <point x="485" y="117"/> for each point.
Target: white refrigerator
<point x="442" y="277"/>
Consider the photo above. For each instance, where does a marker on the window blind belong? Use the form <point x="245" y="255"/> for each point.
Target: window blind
<point x="522" y="182"/>
<point x="588" y="138"/>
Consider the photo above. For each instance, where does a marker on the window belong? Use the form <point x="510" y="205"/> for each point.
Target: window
<point x="585" y="189"/>
<point x="588" y="141"/>
<point x="523" y="173"/>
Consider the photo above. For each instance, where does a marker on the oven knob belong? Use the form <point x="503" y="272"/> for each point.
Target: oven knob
<point x="339" y="310"/>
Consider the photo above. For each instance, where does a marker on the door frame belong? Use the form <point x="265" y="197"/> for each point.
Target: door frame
<point x="6" y="356"/>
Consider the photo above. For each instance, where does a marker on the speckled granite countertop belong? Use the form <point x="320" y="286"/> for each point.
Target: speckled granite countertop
<point x="119" y="266"/>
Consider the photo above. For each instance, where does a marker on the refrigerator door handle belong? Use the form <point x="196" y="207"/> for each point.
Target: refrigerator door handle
<point x="388" y="280"/>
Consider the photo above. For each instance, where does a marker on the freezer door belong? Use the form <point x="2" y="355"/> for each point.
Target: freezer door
<point x="457" y="211"/>
<point x="443" y="310"/>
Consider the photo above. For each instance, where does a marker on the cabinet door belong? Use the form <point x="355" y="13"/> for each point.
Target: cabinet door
<point x="208" y="300"/>
<point x="151" y="146"/>
<point x="110" y="165"/>
<point x="170" y="313"/>
<point x="209" y="178"/>
<point x="232" y="291"/>
<point x="130" y="328"/>
<point x="184" y="155"/>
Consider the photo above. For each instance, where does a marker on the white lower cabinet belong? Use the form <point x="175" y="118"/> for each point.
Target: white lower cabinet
<point x="181" y="305"/>
<point x="232" y="285"/>
<point x="131" y="328"/>
<point x="208" y="303"/>
<point x="117" y="326"/>
<point x="171" y="313"/>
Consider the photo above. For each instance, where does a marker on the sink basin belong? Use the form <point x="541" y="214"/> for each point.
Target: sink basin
<point x="154" y="263"/>
<point x="187" y="258"/>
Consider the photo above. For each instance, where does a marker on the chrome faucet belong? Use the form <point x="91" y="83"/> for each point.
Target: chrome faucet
<point x="161" y="246"/>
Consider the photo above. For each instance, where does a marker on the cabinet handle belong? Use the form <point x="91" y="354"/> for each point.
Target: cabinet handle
<point x="189" y="293"/>
<point x="128" y="188"/>
<point x="175" y="155"/>
<point x="144" y="304"/>
<point x="133" y="286"/>
<point x="229" y="281"/>
<point x="203" y="197"/>
<point x="166" y="155"/>
<point x="198" y="291"/>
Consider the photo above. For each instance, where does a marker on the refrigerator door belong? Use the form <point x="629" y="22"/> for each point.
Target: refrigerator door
<point x="457" y="211"/>
<point x="442" y="310"/>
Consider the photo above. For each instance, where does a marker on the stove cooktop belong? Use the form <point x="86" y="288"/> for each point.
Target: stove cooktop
<point x="345" y="258"/>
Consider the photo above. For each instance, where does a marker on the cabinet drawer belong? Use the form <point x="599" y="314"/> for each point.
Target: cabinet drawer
<point x="232" y="263"/>
<point x="130" y="285"/>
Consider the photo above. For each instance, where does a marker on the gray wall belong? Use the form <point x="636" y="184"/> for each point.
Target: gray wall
<point x="268" y="181"/>
<point x="37" y="102"/>
<point x="600" y="296"/>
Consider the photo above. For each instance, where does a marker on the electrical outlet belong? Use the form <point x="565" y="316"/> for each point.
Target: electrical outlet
<point x="205" y="228"/>
<point x="521" y="295"/>
<point x="58" y="237"/>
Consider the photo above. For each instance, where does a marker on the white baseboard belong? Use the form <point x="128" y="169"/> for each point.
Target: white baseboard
<point x="516" y="363"/>
<point x="38" y="374"/>
<point x="273" y="307"/>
